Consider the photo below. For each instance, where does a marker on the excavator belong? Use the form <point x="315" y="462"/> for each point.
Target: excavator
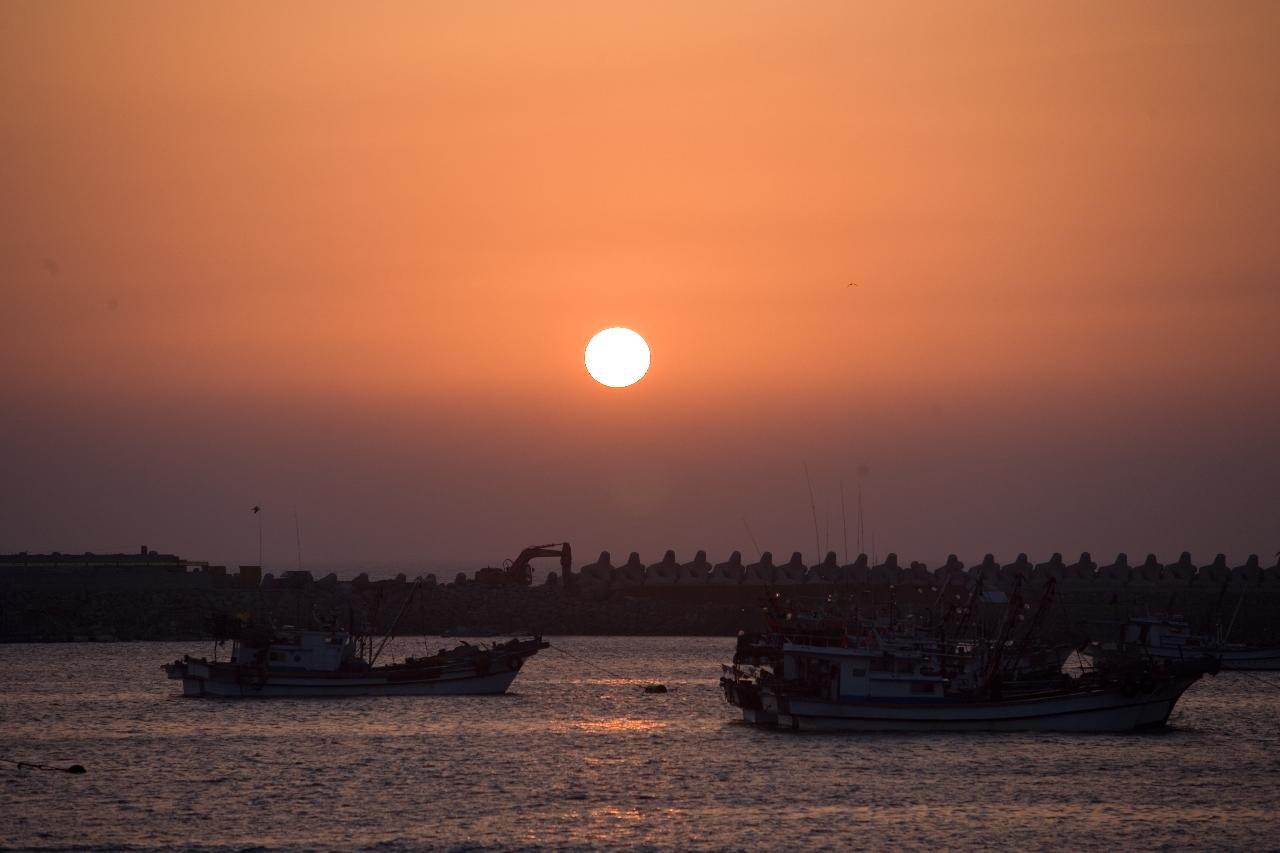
<point x="517" y="572"/>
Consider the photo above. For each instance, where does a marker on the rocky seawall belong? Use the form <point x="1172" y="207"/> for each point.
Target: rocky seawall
<point x="41" y="615"/>
<point x="1080" y="607"/>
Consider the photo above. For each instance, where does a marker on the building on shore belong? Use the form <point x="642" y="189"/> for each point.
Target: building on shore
<point x="144" y="569"/>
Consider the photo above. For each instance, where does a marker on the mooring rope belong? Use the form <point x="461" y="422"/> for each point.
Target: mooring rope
<point x="592" y="663"/>
<point x="605" y="670"/>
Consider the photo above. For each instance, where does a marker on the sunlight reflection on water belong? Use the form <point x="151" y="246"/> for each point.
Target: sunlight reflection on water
<point x="571" y="759"/>
<point x="616" y="725"/>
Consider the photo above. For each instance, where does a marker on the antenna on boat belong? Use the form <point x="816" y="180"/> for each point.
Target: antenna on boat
<point x="752" y="536"/>
<point x="844" y="522"/>
<point x="817" y="542"/>
<point x="861" y="529"/>
<point x="256" y="509"/>
<point x="1232" y="624"/>
<point x="826" y="535"/>
<point x="297" y="532"/>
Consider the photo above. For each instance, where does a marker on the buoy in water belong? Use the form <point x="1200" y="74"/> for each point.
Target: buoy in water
<point x="655" y="688"/>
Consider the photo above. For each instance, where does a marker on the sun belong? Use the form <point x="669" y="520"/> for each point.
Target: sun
<point x="617" y="357"/>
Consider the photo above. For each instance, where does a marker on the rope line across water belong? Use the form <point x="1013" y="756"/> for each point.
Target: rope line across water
<point x="592" y="663"/>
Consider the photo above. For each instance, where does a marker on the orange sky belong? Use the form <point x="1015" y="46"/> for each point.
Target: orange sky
<point x="346" y="260"/>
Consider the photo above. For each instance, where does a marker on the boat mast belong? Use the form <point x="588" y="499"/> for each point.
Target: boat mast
<point x="1045" y="601"/>
<point x="844" y="522"/>
<point x="752" y="536"/>
<point x="817" y="541"/>
<point x="297" y="533"/>
<point x="861" y="527"/>
<point x="997" y="651"/>
<point x="391" y="632"/>
<point x="969" y="607"/>
<point x="1227" y="636"/>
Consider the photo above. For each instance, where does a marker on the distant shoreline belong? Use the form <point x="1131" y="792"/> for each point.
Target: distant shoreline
<point x="455" y="637"/>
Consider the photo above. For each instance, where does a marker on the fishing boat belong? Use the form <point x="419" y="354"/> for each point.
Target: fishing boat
<point x="266" y="662"/>
<point x="1242" y="658"/>
<point x="1172" y="639"/>
<point x="295" y="662"/>
<point x="809" y="675"/>
<point x="834" y="688"/>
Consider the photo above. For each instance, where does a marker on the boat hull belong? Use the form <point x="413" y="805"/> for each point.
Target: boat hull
<point x="465" y="671"/>
<point x="747" y="696"/>
<point x="1084" y="711"/>
<point x="1252" y="660"/>
<point x="1240" y="659"/>
<point x="277" y="686"/>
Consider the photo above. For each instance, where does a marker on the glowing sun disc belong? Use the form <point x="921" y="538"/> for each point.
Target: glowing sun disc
<point x="617" y="357"/>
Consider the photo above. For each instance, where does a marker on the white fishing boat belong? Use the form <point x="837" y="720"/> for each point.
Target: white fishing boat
<point x="830" y="688"/>
<point x="1172" y="639"/>
<point x="1242" y="658"/>
<point x="810" y="675"/>
<point x="295" y="662"/>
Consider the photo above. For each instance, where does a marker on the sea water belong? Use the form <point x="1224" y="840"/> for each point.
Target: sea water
<point x="578" y="756"/>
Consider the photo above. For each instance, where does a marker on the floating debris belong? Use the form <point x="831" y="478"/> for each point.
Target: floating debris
<point x="24" y="765"/>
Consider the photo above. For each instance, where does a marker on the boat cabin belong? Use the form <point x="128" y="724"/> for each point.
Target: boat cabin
<point x="297" y="649"/>
<point x="1164" y="634"/>
<point x="838" y="673"/>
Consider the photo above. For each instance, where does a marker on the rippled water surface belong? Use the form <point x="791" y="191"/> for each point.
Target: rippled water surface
<point x="577" y="756"/>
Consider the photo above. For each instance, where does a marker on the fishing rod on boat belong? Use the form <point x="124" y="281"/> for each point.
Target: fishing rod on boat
<point x="74" y="768"/>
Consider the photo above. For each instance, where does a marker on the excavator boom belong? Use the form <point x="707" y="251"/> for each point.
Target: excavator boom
<point x="518" y="571"/>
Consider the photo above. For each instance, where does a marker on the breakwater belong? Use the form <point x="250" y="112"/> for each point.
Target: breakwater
<point x="43" y="615"/>
<point x="634" y="598"/>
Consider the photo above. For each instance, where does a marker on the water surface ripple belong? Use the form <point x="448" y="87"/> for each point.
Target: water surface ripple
<point x="581" y="758"/>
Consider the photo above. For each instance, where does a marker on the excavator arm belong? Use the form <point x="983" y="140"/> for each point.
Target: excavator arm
<point x="518" y="571"/>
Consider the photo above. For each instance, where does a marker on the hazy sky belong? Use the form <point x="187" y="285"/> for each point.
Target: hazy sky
<point x="345" y="258"/>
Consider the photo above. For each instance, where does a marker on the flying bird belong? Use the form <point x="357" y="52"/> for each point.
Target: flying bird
<point x="255" y="509"/>
<point x="852" y="284"/>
